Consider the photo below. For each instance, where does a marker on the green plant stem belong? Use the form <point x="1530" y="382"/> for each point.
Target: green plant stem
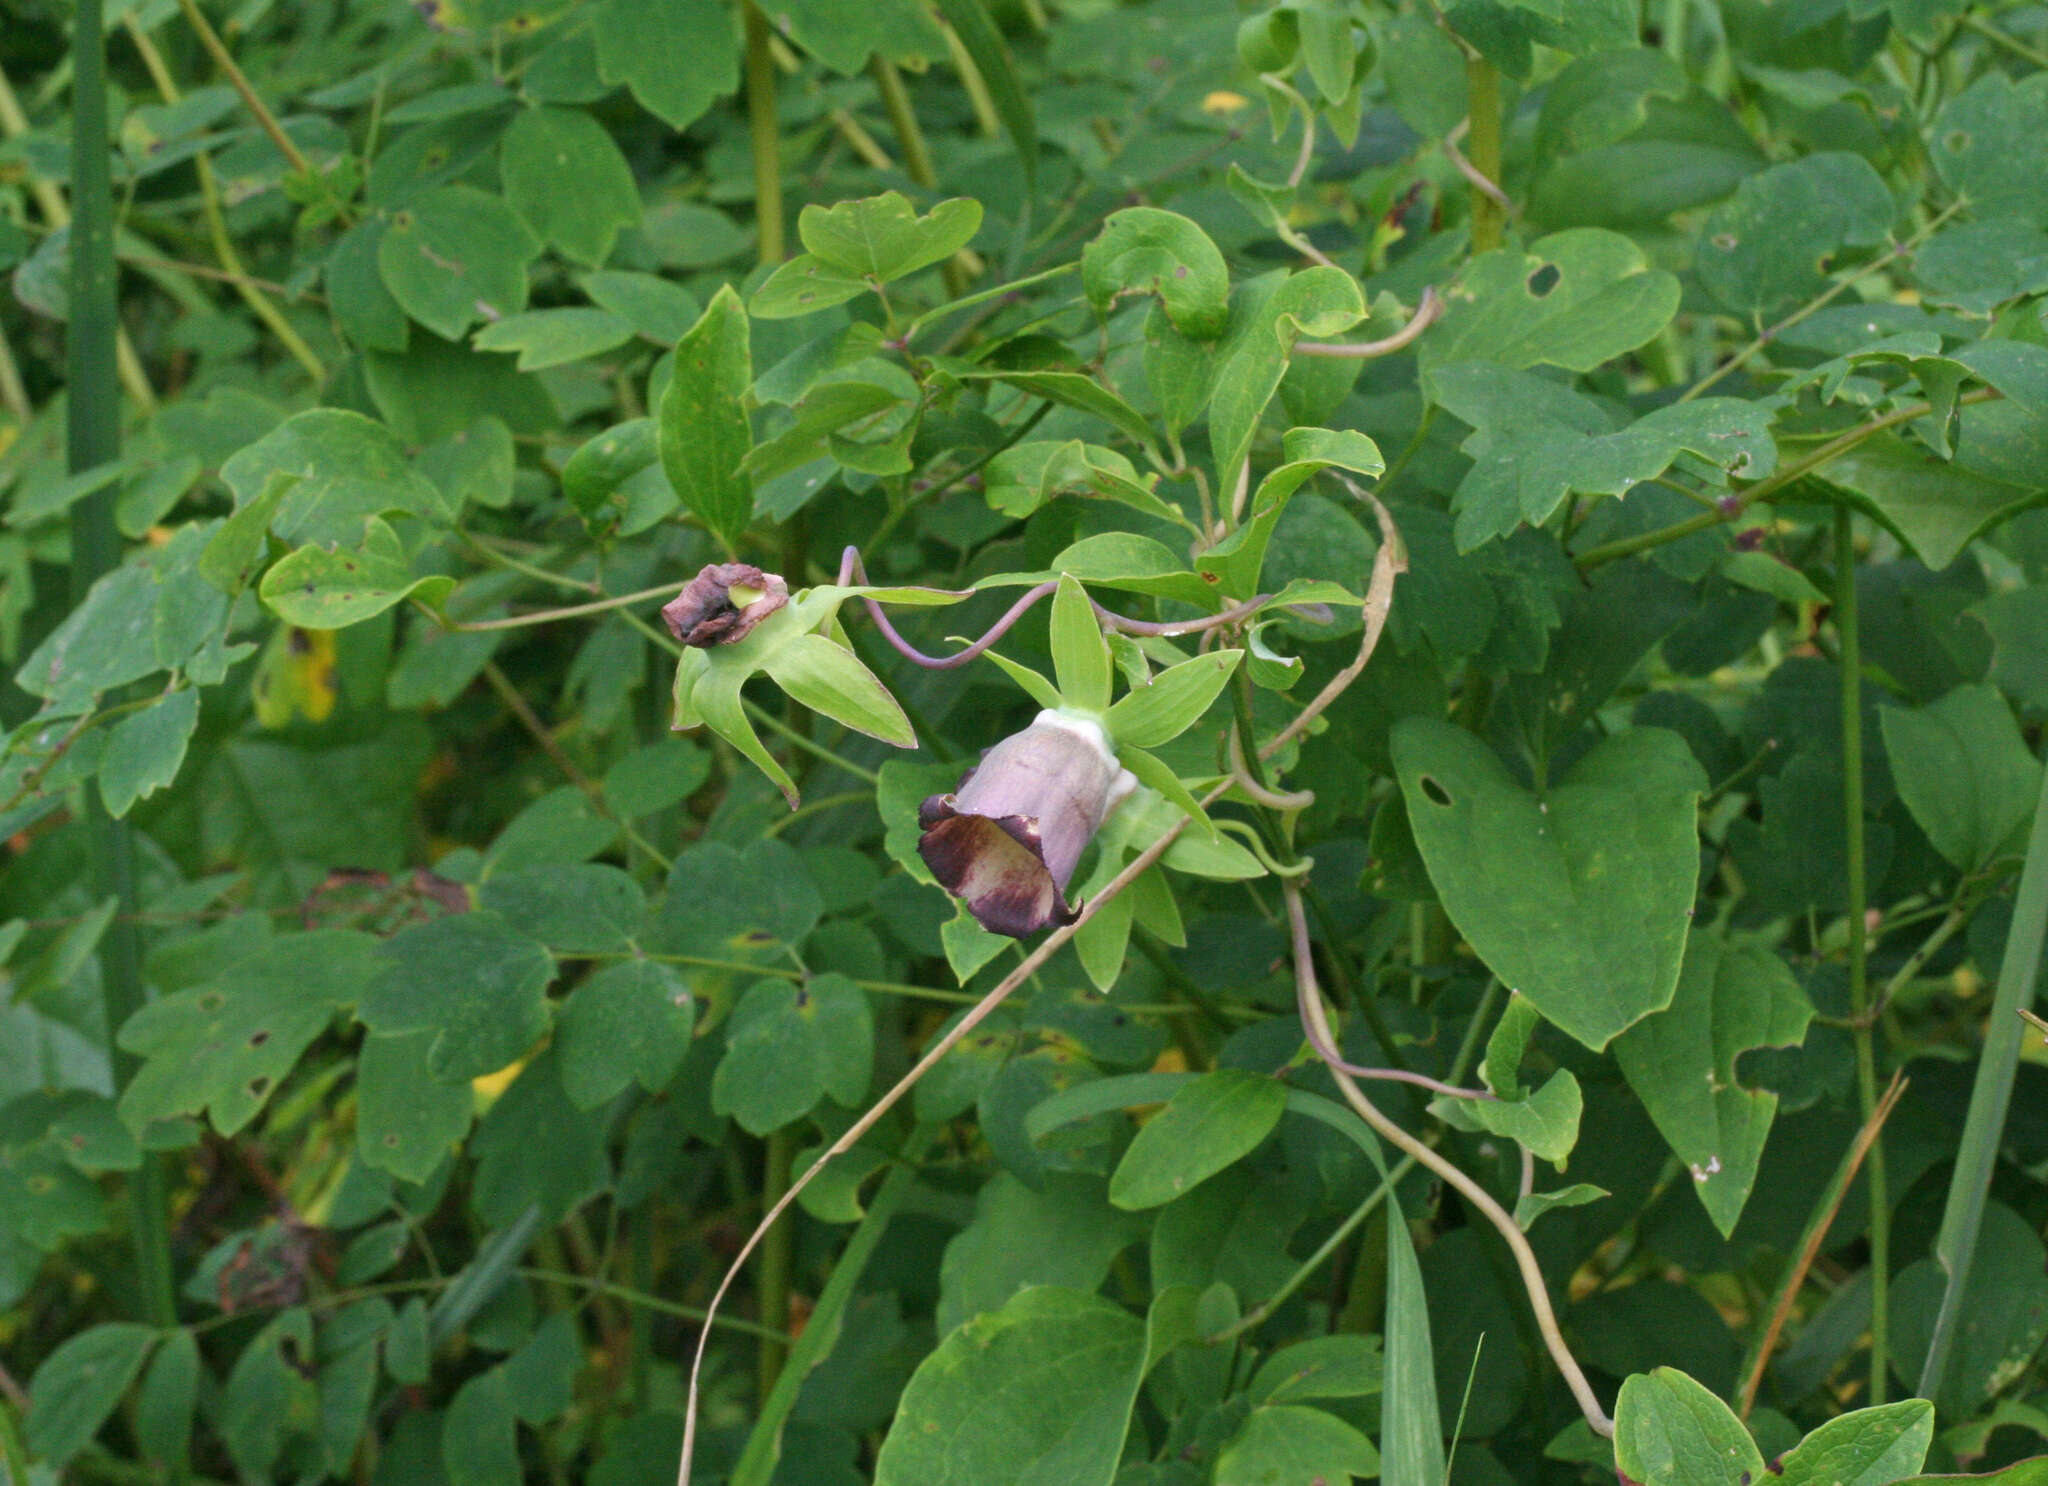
<point x="571" y="611"/>
<point x="766" y="136"/>
<point x="1594" y="557"/>
<point x="917" y="154"/>
<point x="1818" y="303"/>
<point x="1848" y="632"/>
<point x="14" y="124"/>
<point x="2019" y="972"/>
<point x="232" y="268"/>
<point x="2011" y="43"/>
<point x="776" y="1258"/>
<point x="764" y="1444"/>
<point x="1818" y="1221"/>
<point x="258" y="109"/>
<point x="516" y="703"/>
<point x="13" y="394"/>
<point x="93" y="434"/>
<point x="1482" y="80"/>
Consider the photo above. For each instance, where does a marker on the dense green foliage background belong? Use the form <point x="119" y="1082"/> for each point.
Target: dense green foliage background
<point x="402" y="1028"/>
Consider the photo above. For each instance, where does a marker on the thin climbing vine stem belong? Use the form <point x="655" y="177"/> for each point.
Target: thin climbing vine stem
<point x="1848" y="634"/>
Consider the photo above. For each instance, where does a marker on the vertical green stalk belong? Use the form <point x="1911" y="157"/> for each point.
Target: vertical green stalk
<point x="94" y="438"/>
<point x="917" y="154"/>
<point x="764" y="1445"/>
<point x="1482" y="80"/>
<point x="1849" y="636"/>
<point x="767" y="137"/>
<point x="2018" y="974"/>
<point x="777" y="1253"/>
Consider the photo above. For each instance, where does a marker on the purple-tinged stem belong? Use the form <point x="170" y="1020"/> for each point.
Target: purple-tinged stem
<point x="853" y="571"/>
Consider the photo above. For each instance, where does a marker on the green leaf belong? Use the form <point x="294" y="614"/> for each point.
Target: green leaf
<point x="454" y="256"/>
<point x="1209" y="1124"/>
<point x="474" y="980"/>
<point x="348" y="467"/>
<point x="1573" y="300"/>
<point x="225" y="1045"/>
<point x="1507" y="1044"/>
<point x="656" y="308"/>
<point x="146" y="749"/>
<point x="568" y="181"/>
<point x="1063" y="1232"/>
<point x="1760" y="572"/>
<point x="329" y="587"/>
<point x="882" y="238"/>
<point x="1268" y="316"/>
<point x="1411" y="1428"/>
<point x="1533" y="1205"/>
<point x="169" y="1397"/>
<point x="703" y="432"/>
<point x="106" y="642"/>
<point x="1534" y="443"/>
<point x="2018" y="623"/>
<point x="473" y="465"/>
<point x="593" y="477"/>
<point x="1240" y="558"/>
<point x="829" y="679"/>
<point x="1934" y="506"/>
<point x="1025" y="476"/>
<point x="2001" y="1319"/>
<point x="584" y="908"/>
<point x="407" y="1119"/>
<point x="708" y="696"/>
<point x="1080" y="655"/>
<point x="1145" y="250"/>
<point x="239" y="546"/>
<point x="1775" y="241"/>
<point x="1284" y="1444"/>
<point x="1868" y="1447"/>
<point x="1669" y="1431"/>
<point x="78" y="1385"/>
<point x="270" y="1394"/>
<point x="1038" y="1392"/>
<point x="369" y="316"/>
<point x="1965" y="772"/>
<point x="1978" y="266"/>
<point x="479" y="1437"/>
<point x="803" y="286"/>
<point x="1073" y="390"/>
<point x="1172" y="701"/>
<point x="791" y="1044"/>
<point x="545" y="338"/>
<point x="843" y="37"/>
<point x="640" y="42"/>
<point x="1682" y="1064"/>
<point x="1990" y="144"/>
<point x="537" y="1152"/>
<point x="1546" y="1121"/>
<point x="629" y="1021"/>
<point x="1579" y="899"/>
<point x="1341" y="1365"/>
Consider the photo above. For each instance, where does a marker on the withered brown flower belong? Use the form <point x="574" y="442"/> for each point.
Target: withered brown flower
<point x="1008" y="839"/>
<point x="723" y="603"/>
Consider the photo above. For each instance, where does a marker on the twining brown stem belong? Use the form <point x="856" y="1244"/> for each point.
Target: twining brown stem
<point x="1428" y="310"/>
<point x="1816" y="1234"/>
<point x="1315" y="1020"/>
<point x="1388" y="564"/>
<point x="258" y="110"/>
